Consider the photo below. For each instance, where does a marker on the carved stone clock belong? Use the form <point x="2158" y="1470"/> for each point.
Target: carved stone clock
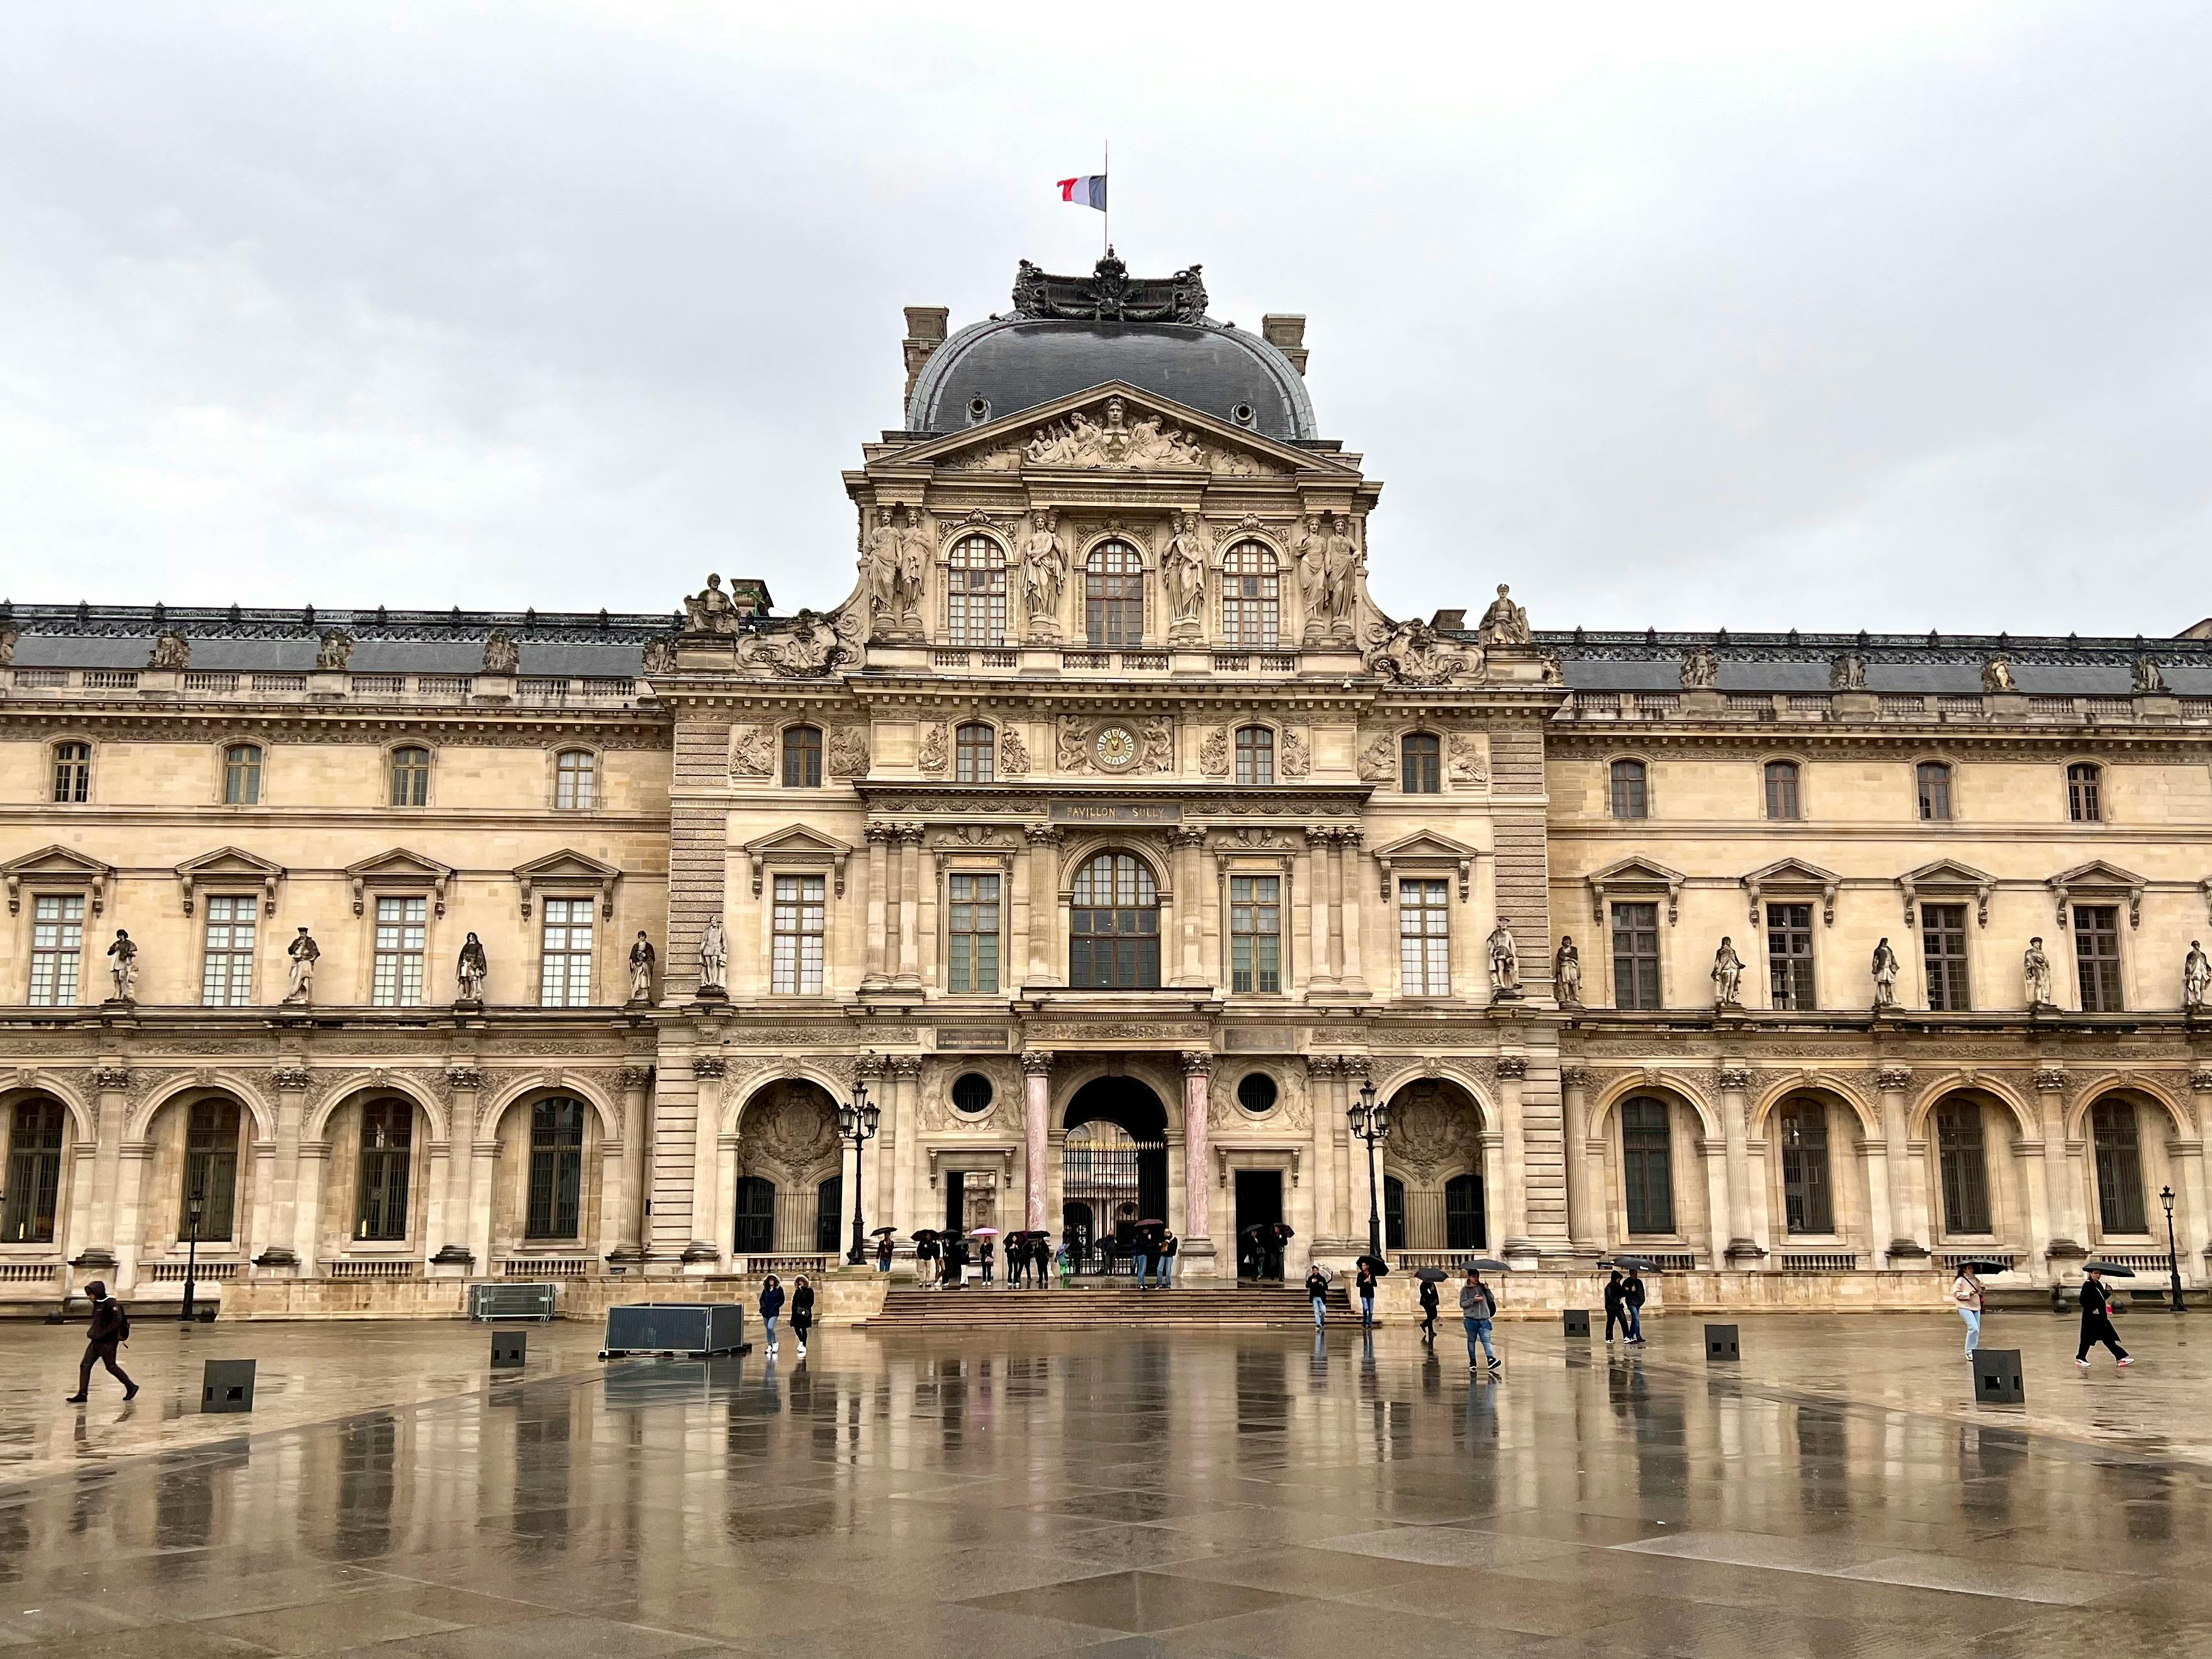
<point x="1114" y="748"/>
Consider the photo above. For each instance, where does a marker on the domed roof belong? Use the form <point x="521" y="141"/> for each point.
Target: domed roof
<point x="1068" y="334"/>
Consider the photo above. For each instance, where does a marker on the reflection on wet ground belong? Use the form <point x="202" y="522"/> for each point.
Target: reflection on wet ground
<point x="1136" y="1493"/>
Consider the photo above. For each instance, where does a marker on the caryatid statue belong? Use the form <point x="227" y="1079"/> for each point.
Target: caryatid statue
<point x="1184" y="566"/>
<point x="642" y="959"/>
<point x="1728" y="976"/>
<point x="471" y="969"/>
<point x="1884" y="976"/>
<point x="2035" y="968"/>
<point x="1044" y="572"/>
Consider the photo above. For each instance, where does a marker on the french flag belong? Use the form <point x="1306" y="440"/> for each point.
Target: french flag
<point x="1087" y="190"/>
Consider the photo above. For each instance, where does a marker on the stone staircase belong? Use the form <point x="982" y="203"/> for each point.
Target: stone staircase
<point x="1228" y="1307"/>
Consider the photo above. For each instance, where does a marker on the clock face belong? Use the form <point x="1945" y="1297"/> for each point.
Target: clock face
<point x="1115" y="748"/>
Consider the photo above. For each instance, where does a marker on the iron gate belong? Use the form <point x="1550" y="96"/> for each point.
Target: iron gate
<point x="1109" y="1181"/>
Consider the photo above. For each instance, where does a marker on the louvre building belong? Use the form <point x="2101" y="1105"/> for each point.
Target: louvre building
<point x="1109" y="841"/>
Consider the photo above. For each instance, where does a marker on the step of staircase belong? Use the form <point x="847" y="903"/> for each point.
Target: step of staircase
<point x="995" y="1307"/>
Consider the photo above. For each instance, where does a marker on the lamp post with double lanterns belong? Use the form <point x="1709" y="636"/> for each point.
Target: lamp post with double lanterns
<point x="195" y="1205"/>
<point x="2172" y="1255"/>
<point x="1370" y="1121"/>
<point x="857" y="1121"/>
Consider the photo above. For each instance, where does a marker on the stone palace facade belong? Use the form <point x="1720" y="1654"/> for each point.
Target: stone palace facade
<point x="1112" y="839"/>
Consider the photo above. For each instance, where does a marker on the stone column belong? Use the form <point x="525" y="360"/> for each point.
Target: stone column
<point x="1036" y="1119"/>
<point x="2065" y="1192"/>
<point x="909" y="897"/>
<point x="280" y="1240"/>
<point x="1198" y="1173"/>
<point x="1352" y="876"/>
<point x="1743" y="1250"/>
<point x="314" y="1172"/>
<point x="1360" y="1201"/>
<point x="1585" y="1174"/>
<point x="879" y="837"/>
<point x="704" y="1251"/>
<point x="1335" y="861"/>
<point x="483" y="1205"/>
<point x="112" y="1079"/>
<point x="1314" y="878"/>
<point x="437" y="1189"/>
<point x="1044" y="841"/>
<point x="1906" y="1248"/>
<point x="902" y="1132"/>
<point x="614" y="1165"/>
<point x="1327" y="1118"/>
<point x="453" y="1224"/>
<point x="1512" y="1069"/>
<point x="261" y="1183"/>
<point x="131" y="1221"/>
<point x="903" y="1077"/>
<point x="1190" y="907"/>
<point x="628" y="1249"/>
<point x="2195" y="1225"/>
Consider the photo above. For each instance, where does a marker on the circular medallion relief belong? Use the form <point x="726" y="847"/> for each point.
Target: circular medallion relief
<point x="1115" y="749"/>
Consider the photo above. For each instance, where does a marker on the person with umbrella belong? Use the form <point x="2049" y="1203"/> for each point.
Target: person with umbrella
<point x="1428" y="1276"/>
<point x="1140" y="1244"/>
<point x="1363" y="1281"/>
<point x="2096" y="1317"/>
<point x="1967" y="1292"/>
<point x="883" y="1248"/>
<point x="1273" y="1241"/>
<point x="1616" y="1299"/>
<point x="1477" y="1308"/>
<point x="1631" y="1296"/>
<point x="1317" y="1288"/>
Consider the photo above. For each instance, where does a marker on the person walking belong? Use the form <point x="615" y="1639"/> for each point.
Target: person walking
<point x="111" y="1326"/>
<point x="1317" y="1288"/>
<point x="1365" y="1283"/>
<point x="883" y="1253"/>
<point x="1477" y="1308"/>
<point x="1616" y="1299"/>
<point x="1966" y="1292"/>
<point x="771" y="1304"/>
<point x="1631" y="1296"/>
<point x="2096" y="1322"/>
<point x="1165" y="1267"/>
<point x="1428" y="1311"/>
<point x="802" y="1312"/>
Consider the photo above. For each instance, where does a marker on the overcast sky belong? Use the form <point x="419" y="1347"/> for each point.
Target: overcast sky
<point x="1762" y="316"/>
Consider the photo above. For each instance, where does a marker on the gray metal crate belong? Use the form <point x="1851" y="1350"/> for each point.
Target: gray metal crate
<point x="512" y="1301"/>
<point x="694" y="1328"/>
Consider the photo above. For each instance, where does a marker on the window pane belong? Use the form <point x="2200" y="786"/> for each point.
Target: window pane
<point x="1255" y="754"/>
<point x="1421" y="764"/>
<point x="1806" y="1204"/>
<point x="1781" y="789"/>
<point x="1114" y="596"/>
<point x="1635" y="955"/>
<point x="210" y="1169"/>
<point x="575" y="782"/>
<point x="2084" y="793"/>
<point x="975" y="592"/>
<point x="226" y="964"/>
<point x="387" y="1133"/>
<point x="1424" y="938"/>
<point x="1789" y="955"/>
<point x="1256" y="934"/>
<point x="2097" y="957"/>
<point x="1647" y="1166"/>
<point x="802" y="758"/>
<point x="72" y="773"/>
<point x="2119" y="1167"/>
<point x="1935" y="791"/>
<point x="57" y="949"/>
<point x="797" y="923"/>
<point x="972" y="933"/>
<point x="1629" y="799"/>
<point x="241" y="776"/>
<point x="1943" y="955"/>
<point x="1965" y="1176"/>
<point x="1113" y="926"/>
<point x="35" y="1173"/>
<point x="410" y="777"/>
<point x="976" y="757"/>
<point x="401" y="929"/>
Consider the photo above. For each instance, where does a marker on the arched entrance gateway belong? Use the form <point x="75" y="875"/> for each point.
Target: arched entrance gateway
<point x="1113" y="1169"/>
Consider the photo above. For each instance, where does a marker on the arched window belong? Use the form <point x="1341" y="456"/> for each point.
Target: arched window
<point x="828" y="1200"/>
<point x="35" y="1173"/>
<point x="575" y="781"/>
<point x="1631" y="799"/>
<point x="1647" y="1165"/>
<point x="1806" y="1206"/>
<point x="1114" y="595"/>
<point x="1421" y="764"/>
<point x="1933" y="781"/>
<point x="975" y="592"/>
<point x="756" y="1214"/>
<point x="1251" y="598"/>
<point x="410" y="777"/>
<point x="802" y="757"/>
<point x="556" y="1169"/>
<point x="241" y="774"/>
<point x="1394" y="1213"/>
<point x="1782" y="790"/>
<point x="2085" y="792"/>
<point x="975" y="754"/>
<point x="72" y="774"/>
<point x="387" y="1154"/>
<point x="2119" y="1167"/>
<point x="1113" y="926"/>
<point x="1255" y="754"/>
<point x="1463" y="1218"/>
<point x="212" y="1167"/>
<point x="1964" y="1168"/>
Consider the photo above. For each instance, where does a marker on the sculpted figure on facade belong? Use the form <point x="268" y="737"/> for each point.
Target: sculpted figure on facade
<point x="1213" y="753"/>
<point x="9" y="635"/>
<point x="1728" y="976"/>
<point x="641" y="960"/>
<point x="2195" y="978"/>
<point x="1158" y="738"/>
<point x="1013" y="753"/>
<point x="657" y="656"/>
<point x="501" y="655"/>
<point x="472" y="969"/>
<point x="1297" y="759"/>
<point x="1148" y="443"/>
<point x="123" y="966"/>
<point x="1567" y="972"/>
<point x="936" y="752"/>
<point x="847" y="753"/>
<point x="335" y="650"/>
<point x="1184" y="565"/>
<point x="1996" y="675"/>
<point x="1378" y="762"/>
<point x="1884" y="976"/>
<point x="913" y="567"/>
<point x="752" y="753"/>
<point x="714" y="958"/>
<point x="1505" y="622"/>
<point x="1505" y="962"/>
<point x="172" y="650"/>
<point x="1701" y="670"/>
<point x="2035" y="968"/>
<point x="1413" y="654"/>
<point x="2148" y="680"/>
<point x="710" y="611"/>
<point x="1340" y="562"/>
<point x="810" y="648"/>
<point x="1847" y="672"/>
<point x="303" y="953"/>
<point x="1044" y="573"/>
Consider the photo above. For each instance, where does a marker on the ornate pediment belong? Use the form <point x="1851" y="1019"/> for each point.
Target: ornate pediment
<point x="1636" y="877"/>
<point x="1115" y="428"/>
<point x="1946" y="876"/>
<point x="1793" y="876"/>
<point x="568" y="869"/>
<point x="1111" y="294"/>
<point x="2098" y="880"/>
<point x="60" y="864"/>
<point x="1424" y="849"/>
<point x="230" y="867"/>
<point x="799" y="845"/>
<point x="399" y="868"/>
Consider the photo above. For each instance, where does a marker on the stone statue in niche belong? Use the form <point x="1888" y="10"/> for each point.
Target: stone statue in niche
<point x="123" y="966"/>
<point x="472" y="969"/>
<point x="1847" y="672"/>
<point x="1884" y="976"/>
<point x="1728" y="976"/>
<point x="335" y="650"/>
<point x="1567" y="973"/>
<point x="713" y="958"/>
<point x="1183" y="564"/>
<point x="914" y="549"/>
<point x="303" y="953"/>
<point x="879" y="565"/>
<point x="2148" y="680"/>
<point x="1340" y="568"/>
<point x="2195" y="978"/>
<point x="641" y="959"/>
<point x="2035" y="968"/>
<point x="172" y="650"/>
<point x="1996" y="675"/>
<point x="1505" y="622"/>
<point x="501" y="653"/>
<point x="1505" y="962"/>
<point x="710" y="611"/>
<point x="1701" y="670"/>
<point x="1044" y="573"/>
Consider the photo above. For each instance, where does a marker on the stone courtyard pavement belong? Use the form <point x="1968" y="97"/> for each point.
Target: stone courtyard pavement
<point x="1835" y="1493"/>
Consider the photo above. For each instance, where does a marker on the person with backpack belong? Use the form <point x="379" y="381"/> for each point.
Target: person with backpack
<point x="1428" y="1311"/>
<point x="1616" y="1306"/>
<point x="1477" y="1308"/>
<point x="1631" y="1296"/>
<point x="111" y="1326"/>
<point x="802" y="1312"/>
<point x="1317" y="1288"/>
<point x="771" y="1304"/>
<point x="2096" y="1322"/>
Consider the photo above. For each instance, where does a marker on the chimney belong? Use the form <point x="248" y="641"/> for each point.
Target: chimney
<point x="1286" y="333"/>
<point x="924" y="332"/>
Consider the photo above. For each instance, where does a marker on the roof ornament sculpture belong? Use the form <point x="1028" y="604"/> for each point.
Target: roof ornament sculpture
<point x="1109" y="294"/>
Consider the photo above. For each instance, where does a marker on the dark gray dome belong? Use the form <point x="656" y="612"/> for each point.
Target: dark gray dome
<point x="1068" y="334"/>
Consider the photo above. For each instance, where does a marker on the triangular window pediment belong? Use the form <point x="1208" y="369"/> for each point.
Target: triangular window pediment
<point x="1424" y="849"/>
<point x="1114" y="426"/>
<point x="399" y="868"/>
<point x="57" y="864"/>
<point x="1636" y="878"/>
<point x="231" y="866"/>
<point x="799" y="845"/>
<point x="567" y="869"/>
<point x="1947" y="877"/>
<point x="2098" y="880"/>
<point x="1793" y="876"/>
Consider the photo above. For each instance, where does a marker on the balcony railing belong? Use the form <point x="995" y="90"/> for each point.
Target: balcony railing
<point x="373" y="1269"/>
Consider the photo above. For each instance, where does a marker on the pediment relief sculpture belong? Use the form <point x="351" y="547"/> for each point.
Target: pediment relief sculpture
<point x="1413" y="654"/>
<point x="810" y="647"/>
<point x="1113" y="436"/>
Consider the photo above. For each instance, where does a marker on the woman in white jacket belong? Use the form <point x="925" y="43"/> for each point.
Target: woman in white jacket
<point x="1966" y="1292"/>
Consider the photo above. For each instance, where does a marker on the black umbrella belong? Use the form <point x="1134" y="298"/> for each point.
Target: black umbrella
<point x="1984" y="1266"/>
<point x="1152" y="1223"/>
<point x="1286" y="1230"/>
<point x="924" y="1236"/>
<point x="1635" y="1264"/>
<point x="2109" y="1269"/>
<point x="1374" y="1263"/>
<point x="880" y="1231"/>
<point x="1486" y="1264"/>
<point x="1431" y="1275"/>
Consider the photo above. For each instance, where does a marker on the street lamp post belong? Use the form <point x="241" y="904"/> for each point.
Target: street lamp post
<point x="857" y="1122"/>
<point x="1370" y="1121"/>
<point x="2172" y="1255"/>
<point x="194" y="1204"/>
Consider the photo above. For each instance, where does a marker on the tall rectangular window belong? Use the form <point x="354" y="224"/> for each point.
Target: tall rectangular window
<point x="975" y="754"/>
<point x="1420" y="764"/>
<point x="802" y="758"/>
<point x="1635" y="955"/>
<point x="1114" y="596"/>
<point x="1782" y="790"/>
<point x="387" y="1150"/>
<point x="2085" y="792"/>
<point x="403" y="927"/>
<point x="1256" y="934"/>
<point x="564" y="970"/>
<point x="1255" y="754"/>
<point x="795" y="965"/>
<point x="556" y="1170"/>
<point x="2097" y="957"/>
<point x="57" y="949"/>
<point x="1424" y="938"/>
<point x="72" y="774"/>
<point x="972" y="934"/>
<point x="975" y="592"/>
<point x="1789" y="955"/>
<point x="226" y="959"/>
<point x="212" y="1167"/>
<point x="1965" y="1174"/>
<point x="35" y="1173"/>
<point x="575" y="781"/>
<point x="1647" y="1166"/>
<point x="410" y="777"/>
<point x="1933" y="778"/>
<point x="2112" y="1132"/>
<point x="1631" y="790"/>
<point x="241" y="776"/>
<point x="1943" y="955"/>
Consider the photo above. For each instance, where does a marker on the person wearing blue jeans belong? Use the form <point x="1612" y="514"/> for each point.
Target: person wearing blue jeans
<point x="1632" y="1298"/>
<point x="1317" y="1288"/>
<point x="1164" y="1271"/>
<point x="1477" y="1308"/>
<point x="1967" y="1292"/>
<point x="1364" y="1283"/>
<point x="771" y="1304"/>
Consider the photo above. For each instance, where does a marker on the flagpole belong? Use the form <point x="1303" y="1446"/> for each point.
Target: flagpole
<point x="1106" y="172"/>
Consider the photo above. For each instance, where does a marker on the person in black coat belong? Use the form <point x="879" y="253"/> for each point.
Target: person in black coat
<point x="1616" y="1299"/>
<point x="771" y="1304"/>
<point x="107" y="1330"/>
<point x="1041" y="1257"/>
<point x="883" y="1253"/>
<point x="1317" y="1288"/>
<point x="1428" y="1310"/>
<point x="1631" y="1296"/>
<point x="986" y="1249"/>
<point x="802" y="1312"/>
<point x="1363" y="1284"/>
<point x="2096" y="1322"/>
